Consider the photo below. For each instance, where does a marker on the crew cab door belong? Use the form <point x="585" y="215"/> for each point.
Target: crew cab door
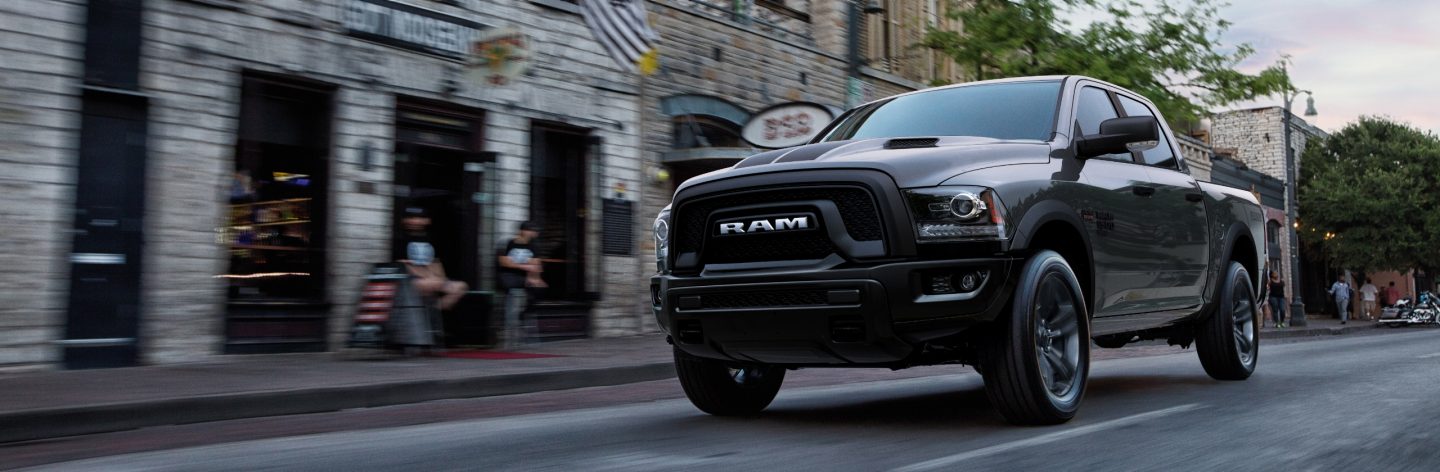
<point x="1174" y="217"/>
<point x="1111" y="210"/>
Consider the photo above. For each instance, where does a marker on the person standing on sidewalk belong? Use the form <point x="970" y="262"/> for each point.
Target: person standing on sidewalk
<point x="1392" y="295"/>
<point x="1277" y="300"/>
<point x="1368" y="297"/>
<point x="1341" y="291"/>
<point x="519" y="277"/>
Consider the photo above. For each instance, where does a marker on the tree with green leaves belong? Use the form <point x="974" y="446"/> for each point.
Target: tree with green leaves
<point x="1370" y="197"/>
<point x="1173" y="56"/>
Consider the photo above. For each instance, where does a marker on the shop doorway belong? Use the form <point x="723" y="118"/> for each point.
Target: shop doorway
<point x="560" y="204"/>
<point x="439" y="166"/>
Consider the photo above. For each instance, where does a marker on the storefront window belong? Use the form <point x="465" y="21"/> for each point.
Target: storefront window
<point x="275" y="231"/>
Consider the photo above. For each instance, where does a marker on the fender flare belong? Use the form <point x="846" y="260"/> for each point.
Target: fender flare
<point x="1050" y="211"/>
<point x="1219" y="266"/>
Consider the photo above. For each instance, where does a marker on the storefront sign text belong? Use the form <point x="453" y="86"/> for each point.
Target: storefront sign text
<point x="409" y="27"/>
<point x="785" y="125"/>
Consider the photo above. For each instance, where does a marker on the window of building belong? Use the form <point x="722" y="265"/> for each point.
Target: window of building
<point x="700" y="131"/>
<point x="275" y="233"/>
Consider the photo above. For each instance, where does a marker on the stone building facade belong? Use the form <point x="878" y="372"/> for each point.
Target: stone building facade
<point x="300" y="128"/>
<point x="1256" y="137"/>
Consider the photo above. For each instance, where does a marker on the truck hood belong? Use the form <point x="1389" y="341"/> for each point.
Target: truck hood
<point x="911" y="162"/>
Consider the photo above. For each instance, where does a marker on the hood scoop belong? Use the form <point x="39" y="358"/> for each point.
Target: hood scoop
<point x="911" y="143"/>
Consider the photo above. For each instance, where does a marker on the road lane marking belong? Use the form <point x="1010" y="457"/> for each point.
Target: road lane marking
<point x="1427" y="356"/>
<point x="951" y="460"/>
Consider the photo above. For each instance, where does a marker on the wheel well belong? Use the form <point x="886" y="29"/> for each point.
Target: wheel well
<point x="1063" y="238"/>
<point x="1244" y="252"/>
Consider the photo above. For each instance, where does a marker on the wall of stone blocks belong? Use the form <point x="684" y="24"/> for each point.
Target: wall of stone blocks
<point x="41" y="54"/>
<point x="193" y="58"/>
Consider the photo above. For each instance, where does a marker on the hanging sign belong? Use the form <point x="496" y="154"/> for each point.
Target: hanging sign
<point x="786" y="124"/>
<point x="499" y="56"/>
<point x="409" y="27"/>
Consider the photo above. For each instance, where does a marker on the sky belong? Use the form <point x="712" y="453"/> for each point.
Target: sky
<point x="1359" y="57"/>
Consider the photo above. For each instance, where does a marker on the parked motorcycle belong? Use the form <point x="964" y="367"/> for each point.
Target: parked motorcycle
<point x="1424" y="310"/>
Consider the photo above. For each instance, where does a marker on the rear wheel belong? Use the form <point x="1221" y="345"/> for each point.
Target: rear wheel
<point x="1228" y="342"/>
<point x="1037" y="362"/>
<point x="723" y="389"/>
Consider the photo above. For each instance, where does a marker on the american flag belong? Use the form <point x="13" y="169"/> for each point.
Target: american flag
<point x="621" y="28"/>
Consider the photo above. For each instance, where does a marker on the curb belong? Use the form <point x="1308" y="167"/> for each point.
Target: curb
<point x="1309" y="332"/>
<point x="70" y="421"/>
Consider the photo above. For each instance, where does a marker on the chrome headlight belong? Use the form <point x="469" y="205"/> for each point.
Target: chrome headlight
<point x="662" y="239"/>
<point x="956" y="213"/>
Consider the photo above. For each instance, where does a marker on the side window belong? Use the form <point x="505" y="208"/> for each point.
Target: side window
<point x="1159" y="156"/>
<point x="1092" y="108"/>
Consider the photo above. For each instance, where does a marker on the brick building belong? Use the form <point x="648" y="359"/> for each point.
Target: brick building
<point x="186" y="178"/>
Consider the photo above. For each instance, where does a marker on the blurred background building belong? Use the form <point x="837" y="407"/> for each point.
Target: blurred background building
<point x="190" y="178"/>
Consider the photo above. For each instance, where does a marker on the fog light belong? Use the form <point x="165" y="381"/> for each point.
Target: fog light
<point x="969" y="281"/>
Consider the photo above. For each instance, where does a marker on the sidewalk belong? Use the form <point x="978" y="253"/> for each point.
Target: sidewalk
<point x="1316" y="327"/>
<point x="63" y="403"/>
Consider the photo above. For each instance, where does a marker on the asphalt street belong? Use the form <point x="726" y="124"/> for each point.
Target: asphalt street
<point x="1348" y="403"/>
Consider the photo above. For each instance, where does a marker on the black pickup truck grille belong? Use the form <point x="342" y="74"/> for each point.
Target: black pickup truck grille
<point x="855" y="204"/>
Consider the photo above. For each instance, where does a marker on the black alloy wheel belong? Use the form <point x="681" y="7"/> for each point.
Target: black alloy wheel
<point x="1037" y="362"/>
<point x="724" y="389"/>
<point x="1228" y="342"/>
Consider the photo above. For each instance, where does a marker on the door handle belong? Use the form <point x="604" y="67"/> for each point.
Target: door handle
<point x="1143" y="191"/>
<point x="1194" y="197"/>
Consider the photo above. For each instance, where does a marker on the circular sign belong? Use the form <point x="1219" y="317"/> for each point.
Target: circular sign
<point x="786" y="124"/>
<point x="500" y="55"/>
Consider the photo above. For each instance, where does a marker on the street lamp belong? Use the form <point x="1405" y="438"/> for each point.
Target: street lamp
<point x="1297" y="306"/>
<point x="852" y="57"/>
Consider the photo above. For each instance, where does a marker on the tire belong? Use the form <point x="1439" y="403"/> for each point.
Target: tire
<point x="723" y="389"/>
<point x="1228" y="342"/>
<point x="1037" y="360"/>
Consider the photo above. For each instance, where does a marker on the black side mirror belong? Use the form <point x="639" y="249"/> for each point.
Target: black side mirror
<point x="1120" y="135"/>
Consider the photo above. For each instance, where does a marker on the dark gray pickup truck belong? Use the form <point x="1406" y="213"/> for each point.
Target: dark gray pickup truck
<point x="1001" y="224"/>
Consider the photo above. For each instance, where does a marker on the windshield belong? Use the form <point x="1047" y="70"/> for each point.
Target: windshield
<point x="1017" y="110"/>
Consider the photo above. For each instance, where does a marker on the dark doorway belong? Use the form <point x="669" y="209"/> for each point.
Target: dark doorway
<point x="559" y="203"/>
<point x="102" y="321"/>
<point x="438" y="167"/>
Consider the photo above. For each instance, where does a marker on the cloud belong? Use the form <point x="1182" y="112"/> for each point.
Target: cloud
<point x="1358" y="57"/>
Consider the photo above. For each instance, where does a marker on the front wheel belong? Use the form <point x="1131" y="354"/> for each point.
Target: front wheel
<point x="1227" y="342"/>
<point x="1038" y="359"/>
<point x="722" y="389"/>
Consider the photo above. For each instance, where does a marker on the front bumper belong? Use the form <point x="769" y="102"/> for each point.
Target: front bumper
<point x="876" y="315"/>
